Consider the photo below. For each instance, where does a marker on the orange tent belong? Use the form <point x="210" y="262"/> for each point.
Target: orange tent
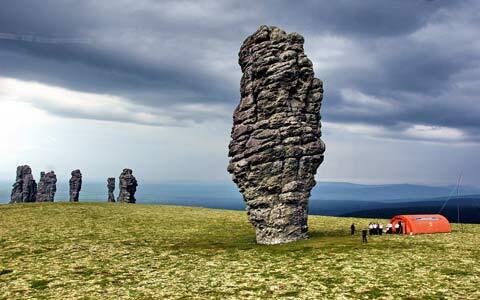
<point x="416" y="224"/>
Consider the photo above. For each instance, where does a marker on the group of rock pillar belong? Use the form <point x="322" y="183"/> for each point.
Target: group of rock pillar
<point x="25" y="188"/>
<point x="128" y="186"/>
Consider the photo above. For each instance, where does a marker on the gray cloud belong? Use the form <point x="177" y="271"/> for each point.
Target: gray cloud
<point x="401" y="63"/>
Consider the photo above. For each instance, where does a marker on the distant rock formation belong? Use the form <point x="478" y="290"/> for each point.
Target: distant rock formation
<point x="75" y="185"/>
<point x="276" y="147"/>
<point x="25" y="187"/>
<point x="47" y="187"/>
<point x="128" y="186"/>
<point x="111" y="189"/>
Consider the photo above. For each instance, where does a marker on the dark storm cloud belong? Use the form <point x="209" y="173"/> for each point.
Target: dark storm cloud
<point x="403" y="63"/>
<point x="92" y="69"/>
<point x="364" y="19"/>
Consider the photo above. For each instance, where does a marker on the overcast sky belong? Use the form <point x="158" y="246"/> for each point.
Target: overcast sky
<point x="151" y="85"/>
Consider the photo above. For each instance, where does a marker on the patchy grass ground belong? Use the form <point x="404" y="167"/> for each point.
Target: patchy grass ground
<point x="108" y="251"/>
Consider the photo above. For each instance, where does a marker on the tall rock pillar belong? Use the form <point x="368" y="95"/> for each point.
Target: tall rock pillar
<point x="276" y="147"/>
<point x="25" y="188"/>
<point x="47" y="187"/>
<point x="128" y="186"/>
<point x="75" y="185"/>
<point x="111" y="189"/>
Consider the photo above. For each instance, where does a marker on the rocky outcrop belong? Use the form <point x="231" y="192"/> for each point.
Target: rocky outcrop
<point x="128" y="186"/>
<point x="75" y="185"/>
<point x="111" y="189"/>
<point x="276" y="147"/>
<point x="47" y="187"/>
<point x="25" y="188"/>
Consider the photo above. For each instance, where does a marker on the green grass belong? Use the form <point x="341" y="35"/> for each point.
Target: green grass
<point x="109" y="251"/>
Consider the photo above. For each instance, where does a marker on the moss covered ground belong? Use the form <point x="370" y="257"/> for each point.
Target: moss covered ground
<point x="110" y="251"/>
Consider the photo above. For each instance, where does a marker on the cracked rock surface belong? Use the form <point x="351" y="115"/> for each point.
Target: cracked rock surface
<point x="75" y="185"/>
<point x="128" y="186"/>
<point x="25" y="188"/>
<point x="47" y="187"/>
<point x="276" y="147"/>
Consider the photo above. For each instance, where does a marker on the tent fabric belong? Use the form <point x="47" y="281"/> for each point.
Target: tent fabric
<point x="418" y="224"/>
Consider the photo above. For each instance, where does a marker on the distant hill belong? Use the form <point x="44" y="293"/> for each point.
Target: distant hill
<point x="328" y="198"/>
<point x="227" y="192"/>
<point x="468" y="206"/>
<point x="390" y="192"/>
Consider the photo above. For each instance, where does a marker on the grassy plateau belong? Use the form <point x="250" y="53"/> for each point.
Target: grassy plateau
<point x="111" y="251"/>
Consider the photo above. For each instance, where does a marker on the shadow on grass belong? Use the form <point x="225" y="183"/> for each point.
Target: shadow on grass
<point x="40" y="284"/>
<point x="5" y="271"/>
<point x="331" y="240"/>
<point x="317" y="239"/>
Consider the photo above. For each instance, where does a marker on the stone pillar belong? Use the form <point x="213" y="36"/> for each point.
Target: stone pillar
<point x="128" y="186"/>
<point x="276" y="147"/>
<point x="25" y="188"/>
<point x="47" y="187"/>
<point x="111" y="189"/>
<point x="75" y="185"/>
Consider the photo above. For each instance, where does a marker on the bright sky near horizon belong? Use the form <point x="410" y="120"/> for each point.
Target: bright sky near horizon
<point x="100" y="87"/>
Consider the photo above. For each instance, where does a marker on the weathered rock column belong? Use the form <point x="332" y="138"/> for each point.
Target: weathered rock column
<point x="111" y="189"/>
<point x="276" y="147"/>
<point x="25" y="188"/>
<point x="75" y="185"/>
<point x="128" y="186"/>
<point x="47" y="187"/>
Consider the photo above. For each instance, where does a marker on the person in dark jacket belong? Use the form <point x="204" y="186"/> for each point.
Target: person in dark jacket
<point x="364" y="236"/>
<point x="352" y="229"/>
<point x="398" y="227"/>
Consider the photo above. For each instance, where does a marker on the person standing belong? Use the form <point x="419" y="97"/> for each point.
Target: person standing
<point x="364" y="236"/>
<point x="389" y="228"/>
<point x="397" y="228"/>
<point x="380" y="229"/>
<point x="370" y="228"/>
<point x="352" y="229"/>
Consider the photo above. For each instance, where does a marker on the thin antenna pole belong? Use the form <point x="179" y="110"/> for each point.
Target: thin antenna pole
<point x="458" y="214"/>
<point x="458" y="199"/>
